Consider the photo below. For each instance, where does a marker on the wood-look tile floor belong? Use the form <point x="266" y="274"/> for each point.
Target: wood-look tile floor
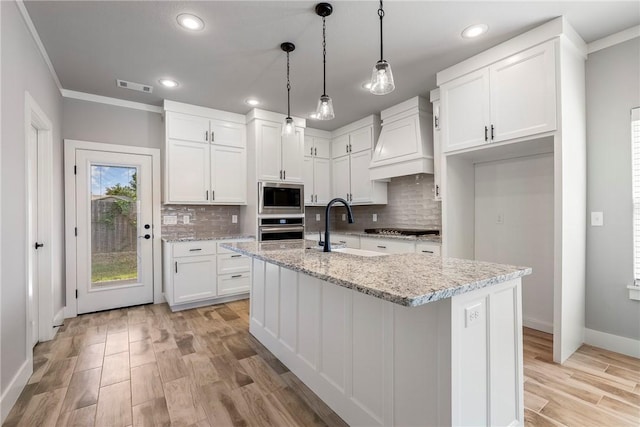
<point x="201" y="367"/>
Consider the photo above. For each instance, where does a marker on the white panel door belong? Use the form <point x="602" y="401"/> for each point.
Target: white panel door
<point x="308" y="145"/>
<point x="268" y="150"/>
<point x="187" y="172"/>
<point x="465" y="111"/>
<point x="225" y="133"/>
<point x="523" y="94"/>
<point x="194" y="278"/>
<point x="322" y="180"/>
<point x="361" y="140"/>
<point x="340" y="145"/>
<point x="361" y="184"/>
<point x="228" y="175"/>
<point x="114" y="258"/>
<point x="340" y="173"/>
<point x="307" y="177"/>
<point x="187" y="127"/>
<point x="322" y="147"/>
<point x="293" y="157"/>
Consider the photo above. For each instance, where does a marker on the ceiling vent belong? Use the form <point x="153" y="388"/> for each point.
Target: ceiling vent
<point x="134" y="86"/>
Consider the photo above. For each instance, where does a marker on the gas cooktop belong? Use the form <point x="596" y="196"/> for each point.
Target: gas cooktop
<point x="401" y="231"/>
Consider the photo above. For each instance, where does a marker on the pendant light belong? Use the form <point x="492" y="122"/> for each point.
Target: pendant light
<point x="381" y="77"/>
<point x="325" y="104"/>
<point x="288" y="127"/>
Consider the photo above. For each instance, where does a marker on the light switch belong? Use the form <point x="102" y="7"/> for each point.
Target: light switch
<point x="317" y="217"/>
<point x="500" y="218"/>
<point x="375" y="217"/>
<point x="185" y="219"/>
<point x="234" y="219"/>
<point x="597" y="219"/>
<point x="344" y="217"/>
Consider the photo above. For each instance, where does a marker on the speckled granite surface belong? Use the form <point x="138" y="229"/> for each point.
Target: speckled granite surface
<point x="192" y="237"/>
<point x="424" y="238"/>
<point x="406" y="279"/>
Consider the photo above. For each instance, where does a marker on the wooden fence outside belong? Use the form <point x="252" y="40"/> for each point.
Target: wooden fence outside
<point x="112" y="231"/>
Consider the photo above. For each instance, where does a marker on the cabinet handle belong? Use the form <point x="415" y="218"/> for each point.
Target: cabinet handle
<point x="213" y="135"/>
<point x="206" y="194"/>
<point x="235" y="276"/>
<point x="206" y="135"/>
<point x="346" y="148"/>
<point x="350" y="148"/>
<point x="311" y="152"/>
<point x="176" y="266"/>
<point x="315" y="151"/>
<point x="437" y="190"/>
<point x="281" y="174"/>
<point x="492" y="132"/>
<point x="382" y="247"/>
<point x="316" y="198"/>
<point x="235" y="256"/>
<point x="486" y="134"/>
<point x="428" y="252"/>
<point x="213" y="194"/>
<point x="284" y="175"/>
<point x="195" y="250"/>
<point x="436" y="121"/>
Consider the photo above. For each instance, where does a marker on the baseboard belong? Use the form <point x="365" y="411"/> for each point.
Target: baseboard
<point x="17" y="384"/>
<point x="213" y="301"/>
<point x="538" y="325"/>
<point x="611" y="342"/>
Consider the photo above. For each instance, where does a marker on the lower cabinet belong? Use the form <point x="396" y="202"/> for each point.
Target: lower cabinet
<point x="198" y="273"/>
<point x="387" y="245"/>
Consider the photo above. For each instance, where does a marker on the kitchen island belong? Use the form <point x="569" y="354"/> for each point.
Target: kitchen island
<point x="410" y="339"/>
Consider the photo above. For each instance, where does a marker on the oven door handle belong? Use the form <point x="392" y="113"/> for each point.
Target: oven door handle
<point x="266" y="230"/>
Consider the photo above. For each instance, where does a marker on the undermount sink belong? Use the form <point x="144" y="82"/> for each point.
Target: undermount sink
<point x="358" y="252"/>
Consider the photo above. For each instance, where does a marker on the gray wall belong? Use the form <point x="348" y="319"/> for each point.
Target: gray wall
<point x="613" y="88"/>
<point x="23" y="69"/>
<point x="90" y="121"/>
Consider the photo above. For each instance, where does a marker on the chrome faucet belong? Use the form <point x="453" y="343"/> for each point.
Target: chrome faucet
<point x="327" y="241"/>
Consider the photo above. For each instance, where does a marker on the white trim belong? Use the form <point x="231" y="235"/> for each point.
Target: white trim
<point x="196" y="110"/>
<point x="66" y="93"/>
<point x="38" y="41"/>
<point x="611" y="342"/>
<point x="538" y="325"/>
<point x="70" y="146"/>
<point x="58" y="319"/>
<point x="614" y="39"/>
<point x="10" y="395"/>
<point x="2" y="416"/>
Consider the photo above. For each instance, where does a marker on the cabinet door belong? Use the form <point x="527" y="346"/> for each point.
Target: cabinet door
<point x="268" y="150"/>
<point x="228" y="175"/>
<point x="187" y="127"/>
<point x="523" y="94"/>
<point x="361" y="140"/>
<point x="187" y="172"/>
<point x="428" y="248"/>
<point x="340" y="146"/>
<point x="389" y="246"/>
<point x="194" y="278"/>
<point x="361" y="186"/>
<point x="308" y="180"/>
<point x="225" y="133"/>
<point x="437" y="151"/>
<point x="322" y="180"/>
<point x="465" y="111"/>
<point x="229" y="284"/>
<point x="308" y="145"/>
<point x="341" y="177"/>
<point x="322" y="148"/>
<point x="293" y="157"/>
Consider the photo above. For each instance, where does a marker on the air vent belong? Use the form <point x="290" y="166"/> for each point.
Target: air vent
<point x="134" y="86"/>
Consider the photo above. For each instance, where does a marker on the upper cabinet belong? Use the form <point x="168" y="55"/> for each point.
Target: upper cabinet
<point x="279" y="158"/>
<point x="351" y="151"/>
<point x="404" y="146"/>
<point x="317" y="167"/>
<point x="437" y="148"/>
<point x="205" y="156"/>
<point x="512" y="98"/>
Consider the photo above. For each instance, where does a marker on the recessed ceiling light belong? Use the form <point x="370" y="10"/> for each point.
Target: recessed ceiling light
<point x="474" y="31"/>
<point x="190" y="22"/>
<point x="366" y="85"/>
<point x="168" y="83"/>
<point x="252" y="101"/>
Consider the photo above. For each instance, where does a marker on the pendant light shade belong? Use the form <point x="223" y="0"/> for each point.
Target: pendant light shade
<point x="288" y="126"/>
<point x="381" y="78"/>
<point x="325" y="104"/>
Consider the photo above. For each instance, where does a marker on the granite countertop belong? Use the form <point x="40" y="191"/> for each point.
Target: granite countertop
<point x="193" y="237"/>
<point x="423" y="238"/>
<point x="405" y="279"/>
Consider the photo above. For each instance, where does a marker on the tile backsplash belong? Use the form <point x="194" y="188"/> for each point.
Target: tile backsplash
<point x="215" y="220"/>
<point x="410" y="205"/>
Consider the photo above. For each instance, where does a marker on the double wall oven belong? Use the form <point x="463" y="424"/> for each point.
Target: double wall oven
<point x="280" y="211"/>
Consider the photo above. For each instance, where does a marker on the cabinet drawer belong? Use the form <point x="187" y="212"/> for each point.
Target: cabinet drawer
<point x="203" y="247"/>
<point x="233" y="263"/>
<point x="387" y="246"/>
<point x="234" y="283"/>
<point x="346" y="239"/>
<point x="428" y="248"/>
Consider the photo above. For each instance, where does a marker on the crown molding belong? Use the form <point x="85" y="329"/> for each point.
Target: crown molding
<point x="72" y="94"/>
<point x="614" y="39"/>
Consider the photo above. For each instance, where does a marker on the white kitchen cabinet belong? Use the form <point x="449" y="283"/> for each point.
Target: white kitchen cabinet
<point x="201" y="273"/>
<point x="432" y="248"/>
<point x="389" y="246"/>
<point x="349" y="240"/>
<point x="292" y="156"/>
<point x="437" y="147"/>
<point x="205" y="156"/>
<point x="351" y="151"/>
<point x="317" y="168"/>
<point x="512" y="98"/>
<point x="278" y="158"/>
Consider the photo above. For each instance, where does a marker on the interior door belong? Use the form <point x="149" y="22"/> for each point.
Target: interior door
<point x="114" y="258"/>
<point x="32" y="241"/>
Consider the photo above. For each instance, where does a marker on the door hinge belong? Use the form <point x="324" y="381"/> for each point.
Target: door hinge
<point x="76" y="294"/>
<point x="75" y="170"/>
<point x="75" y="231"/>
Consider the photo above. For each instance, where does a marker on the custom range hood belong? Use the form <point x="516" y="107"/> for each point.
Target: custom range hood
<point x="405" y="145"/>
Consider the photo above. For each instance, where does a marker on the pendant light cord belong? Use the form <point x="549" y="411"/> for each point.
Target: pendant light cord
<point x="381" y="15"/>
<point x="324" y="57"/>
<point x="288" y="89"/>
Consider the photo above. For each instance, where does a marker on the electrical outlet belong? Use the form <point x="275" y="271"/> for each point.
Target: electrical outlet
<point x="185" y="219"/>
<point x="170" y="219"/>
<point x="500" y="218"/>
<point x="344" y="217"/>
<point x="375" y="217"/>
<point x="597" y="219"/>
<point x="317" y="217"/>
<point x="472" y="315"/>
<point x="234" y="219"/>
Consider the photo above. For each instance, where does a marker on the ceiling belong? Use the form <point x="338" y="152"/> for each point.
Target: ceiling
<point x="237" y="55"/>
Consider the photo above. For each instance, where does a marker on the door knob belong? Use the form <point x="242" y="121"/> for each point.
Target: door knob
<point x="38" y="245"/>
<point x="147" y="226"/>
<point x="146" y="236"/>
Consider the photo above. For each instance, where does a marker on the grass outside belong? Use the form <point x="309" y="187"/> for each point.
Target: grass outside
<point x="113" y="266"/>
